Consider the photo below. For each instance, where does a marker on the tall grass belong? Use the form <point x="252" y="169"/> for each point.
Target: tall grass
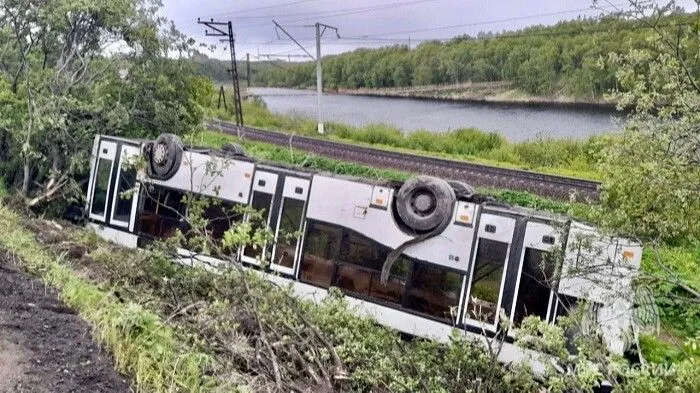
<point x="142" y="345"/>
<point x="566" y="157"/>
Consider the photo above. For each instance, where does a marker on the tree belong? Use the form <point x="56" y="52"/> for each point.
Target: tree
<point x="651" y="172"/>
<point x="72" y="69"/>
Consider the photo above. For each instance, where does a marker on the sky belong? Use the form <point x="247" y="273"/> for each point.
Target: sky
<point x="366" y="23"/>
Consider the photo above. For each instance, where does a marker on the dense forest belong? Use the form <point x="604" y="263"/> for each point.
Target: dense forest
<point x="565" y="59"/>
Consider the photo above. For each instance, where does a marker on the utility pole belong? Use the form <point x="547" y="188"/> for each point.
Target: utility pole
<point x="320" y="29"/>
<point x="247" y="69"/>
<point x="217" y="31"/>
<point x="319" y="78"/>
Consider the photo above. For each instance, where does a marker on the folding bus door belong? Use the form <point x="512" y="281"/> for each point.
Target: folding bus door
<point x="102" y="180"/>
<point x="261" y="199"/>
<point x="125" y="194"/>
<point x="290" y="225"/>
<point x="533" y="287"/>
<point x="488" y="271"/>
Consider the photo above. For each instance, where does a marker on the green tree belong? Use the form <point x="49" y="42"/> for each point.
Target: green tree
<point x="71" y="69"/>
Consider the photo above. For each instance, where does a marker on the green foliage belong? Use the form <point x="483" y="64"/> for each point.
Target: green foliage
<point x="541" y="60"/>
<point x="58" y="89"/>
<point x="668" y="267"/>
<point x="141" y="343"/>
<point x="592" y="364"/>
<point x="3" y="190"/>
<point x="651" y="172"/>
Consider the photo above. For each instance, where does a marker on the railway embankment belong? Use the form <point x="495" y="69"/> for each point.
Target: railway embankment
<point x="553" y="186"/>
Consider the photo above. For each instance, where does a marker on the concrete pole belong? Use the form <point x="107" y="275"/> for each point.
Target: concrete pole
<point x="319" y="78"/>
<point x="247" y="73"/>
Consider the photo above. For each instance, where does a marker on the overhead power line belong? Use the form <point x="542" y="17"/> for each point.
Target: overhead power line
<point x="330" y="13"/>
<point x="515" y="34"/>
<point x="264" y="7"/>
<point x="481" y="23"/>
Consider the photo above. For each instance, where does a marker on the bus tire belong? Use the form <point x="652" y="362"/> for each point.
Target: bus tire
<point x="424" y="203"/>
<point x="234" y="149"/>
<point x="165" y="156"/>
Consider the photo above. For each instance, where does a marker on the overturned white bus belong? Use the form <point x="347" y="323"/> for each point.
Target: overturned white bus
<point x="458" y="262"/>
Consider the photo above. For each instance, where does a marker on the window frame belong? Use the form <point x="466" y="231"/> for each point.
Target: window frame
<point x="127" y="152"/>
<point x="107" y="150"/>
<point x="410" y="285"/>
<point x="516" y="290"/>
<point x="535" y="231"/>
<point x="274" y="266"/>
<point x="333" y="253"/>
<point x="246" y="258"/>
<point x="466" y="319"/>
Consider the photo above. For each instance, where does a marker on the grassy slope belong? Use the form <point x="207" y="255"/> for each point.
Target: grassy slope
<point x="141" y="343"/>
<point x="561" y="157"/>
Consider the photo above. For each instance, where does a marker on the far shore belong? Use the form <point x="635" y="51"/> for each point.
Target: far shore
<point x="486" y="93"/>
<point x="501" y="93"/>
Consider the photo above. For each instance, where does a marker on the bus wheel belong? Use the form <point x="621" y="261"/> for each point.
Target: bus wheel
<point x="234" y="149"/>
<point x="164" y="156"/>
<point x="425" y="203"/>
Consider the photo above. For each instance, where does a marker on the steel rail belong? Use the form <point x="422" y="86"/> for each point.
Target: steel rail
<point x="553" y="186"/>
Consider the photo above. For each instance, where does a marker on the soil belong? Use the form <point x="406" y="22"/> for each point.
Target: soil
<point x="45" y="346"/>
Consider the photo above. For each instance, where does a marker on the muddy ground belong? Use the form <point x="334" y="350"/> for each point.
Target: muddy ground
<point x="45" y="346"/>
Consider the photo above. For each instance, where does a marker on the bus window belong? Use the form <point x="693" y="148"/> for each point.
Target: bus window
<point x="263" y="203"/>
<point x="287" y="232"/>
<point x="534" y="290"/>
<point x="102" y="180"/>
<point x="220" y="216"/>
<point x="360" y="265"/>
<point x="123" y="203"/>
<point x="565" y="305"/>
<point x="320" y="250"/>
<point x="434" y="291"/>
<point x="162" y="212"/>
<point x="486" y="281"/>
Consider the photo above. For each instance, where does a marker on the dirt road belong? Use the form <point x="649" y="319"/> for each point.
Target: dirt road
<point x="45" y="346"/>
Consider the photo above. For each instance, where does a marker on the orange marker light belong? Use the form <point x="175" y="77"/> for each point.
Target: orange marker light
<point x="379" y="201"/>
<point x="464" y="218"/>
<point x="627" y="254"/>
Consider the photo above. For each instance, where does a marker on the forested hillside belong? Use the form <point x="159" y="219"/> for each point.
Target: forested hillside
<point x="542" y="60"/>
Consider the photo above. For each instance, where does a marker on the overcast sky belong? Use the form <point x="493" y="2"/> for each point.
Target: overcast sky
<point x="367" y="23"/>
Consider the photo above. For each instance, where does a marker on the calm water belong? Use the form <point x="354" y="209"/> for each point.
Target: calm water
<point x="515" y="123"/>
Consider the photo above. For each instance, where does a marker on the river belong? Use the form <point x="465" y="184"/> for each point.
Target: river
<point x="515" y="123"/>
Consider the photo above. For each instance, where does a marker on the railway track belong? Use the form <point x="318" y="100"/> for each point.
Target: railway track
<point x="552" y="186"/>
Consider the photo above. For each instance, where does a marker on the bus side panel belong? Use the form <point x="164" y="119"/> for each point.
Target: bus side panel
<point x="600" y="269"/>
<point x="349" y="204"/>
<point x="93" y="161"/>
<point x="208" y="175"/>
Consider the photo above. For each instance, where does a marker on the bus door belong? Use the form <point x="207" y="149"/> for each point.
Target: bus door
<point x="535" y="282"/>
<point x="488" y="271"/>
<point x="261" y="200"/>
<point x="290" y="225"/>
